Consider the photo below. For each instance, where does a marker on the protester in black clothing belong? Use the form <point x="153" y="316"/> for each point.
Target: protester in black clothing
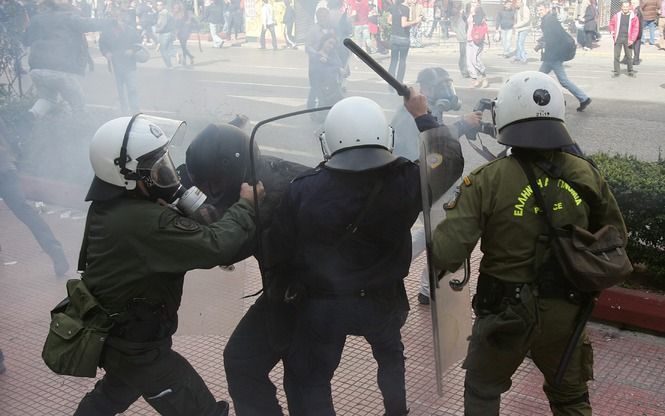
<point x="217" y="161"/>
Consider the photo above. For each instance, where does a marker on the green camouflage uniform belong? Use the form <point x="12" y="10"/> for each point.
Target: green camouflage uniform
<point x="137" y="256"/>
<point x="497" y="206"/>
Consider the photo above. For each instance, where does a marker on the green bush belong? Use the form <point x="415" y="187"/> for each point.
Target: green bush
<point x="639" y="188"/>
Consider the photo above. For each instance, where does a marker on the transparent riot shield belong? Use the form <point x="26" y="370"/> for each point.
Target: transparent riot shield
<point x="449" y="299"/>
<point x="281" y="148"/>
<point x="215" y="300"/>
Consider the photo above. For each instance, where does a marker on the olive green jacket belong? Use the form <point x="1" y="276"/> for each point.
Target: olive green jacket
<point x="139" y="249"/>
<point x="496" y="204"/>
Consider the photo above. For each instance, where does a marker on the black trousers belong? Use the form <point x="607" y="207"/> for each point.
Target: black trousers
<point x="258" y="343"/>
<point x="163" y="377"/>
<point x="323" y="325"/>
<point x="11" y="192"/>
<point x="618" y="45"/>
<point x="398" y="54"/>
<point x="637" y="47"/>
<point x="273" y="37"/>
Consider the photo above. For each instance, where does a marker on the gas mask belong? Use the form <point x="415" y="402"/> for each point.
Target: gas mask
<point x="162" y="182"/>
<point x="443" y="98"/>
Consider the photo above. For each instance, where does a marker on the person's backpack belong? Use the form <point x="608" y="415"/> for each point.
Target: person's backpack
<point x="568" y="47"/>
<point x="478" y="33"/>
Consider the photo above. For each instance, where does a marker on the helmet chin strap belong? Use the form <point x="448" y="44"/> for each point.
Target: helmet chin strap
<point x="122" y="160"/>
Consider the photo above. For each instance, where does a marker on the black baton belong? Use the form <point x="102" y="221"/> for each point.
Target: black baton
<point x="580" y="323"/>
<point x="402" y="90"/>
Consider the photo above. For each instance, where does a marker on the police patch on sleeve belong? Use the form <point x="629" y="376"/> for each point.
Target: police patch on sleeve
<point x="186" y="224"/>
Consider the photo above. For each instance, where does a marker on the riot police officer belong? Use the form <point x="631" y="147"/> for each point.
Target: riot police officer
<point x="135" y="254"/>
<point x="343" y="232"/>
<point x="523" y="302"/>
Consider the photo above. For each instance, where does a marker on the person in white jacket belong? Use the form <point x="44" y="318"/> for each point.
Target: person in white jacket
<point x="522" y="27"/>
<point x="267" y="23"/>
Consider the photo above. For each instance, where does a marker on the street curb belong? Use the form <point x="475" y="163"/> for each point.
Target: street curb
<point x="632" y="308"/>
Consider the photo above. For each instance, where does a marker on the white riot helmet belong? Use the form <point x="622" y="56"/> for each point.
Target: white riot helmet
<point x="356" y="136"/>
<point x="529" y="112"/>
<point x="128" y="149"/>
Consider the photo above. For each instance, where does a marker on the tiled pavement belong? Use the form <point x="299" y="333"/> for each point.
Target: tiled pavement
<point x="629" y="366"/>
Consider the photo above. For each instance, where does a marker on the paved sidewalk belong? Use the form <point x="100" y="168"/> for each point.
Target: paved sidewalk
<point x="629" y="366"/>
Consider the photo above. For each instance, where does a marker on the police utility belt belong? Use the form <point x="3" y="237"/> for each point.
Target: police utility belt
<point x="493" y="295"/>
<point x="378" y="292"/>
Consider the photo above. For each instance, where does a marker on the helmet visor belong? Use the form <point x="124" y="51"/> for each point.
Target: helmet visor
<point x="163" y="172"/>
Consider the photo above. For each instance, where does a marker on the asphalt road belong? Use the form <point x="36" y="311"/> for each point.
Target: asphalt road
<point x="626" y="116"/>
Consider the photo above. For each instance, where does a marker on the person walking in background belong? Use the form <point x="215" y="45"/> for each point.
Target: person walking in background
<point x="400" y="38"/>
<point x="557" y="45"/>
<point x="650" y="9"/>
<point x="476" y="34"/>
<point x="505" y="24"/>
<point x="360" y="21"/>
<point x="12" y="194"/>
<point x="232" y="20"/>
<point x="637" y="46"/>
<point x="590" y="25"/>
<point x="147" y="18"/>
<point x="214" y="15"/>
<point x="119" y="45"/>
<point x="458" y="25"/>
<point x="522" y="27"/>
<point x="416" y="11"/>
<point x="623" y="28"/>
<point x="661" y="25"/>
<point x="289" y="21"/>
<point x="267" y="23"/>
<point x="321" y="28"/>
<point x="165" y="27"/>
<point x="183" y="28"/>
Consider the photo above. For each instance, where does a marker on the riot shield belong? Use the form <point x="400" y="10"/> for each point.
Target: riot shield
<point x="281" y="148"/>
<point x="449" y="301"/>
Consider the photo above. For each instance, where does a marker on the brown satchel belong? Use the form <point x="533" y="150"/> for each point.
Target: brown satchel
<point x="590" y="261"/>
